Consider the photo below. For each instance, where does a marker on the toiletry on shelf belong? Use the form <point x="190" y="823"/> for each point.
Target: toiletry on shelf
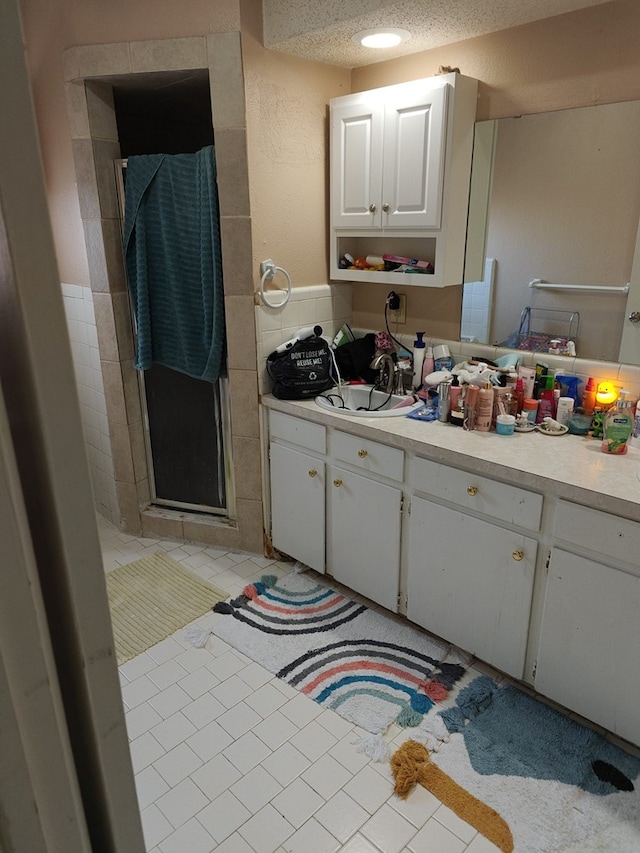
<point x="589" y="396"/>
<point x="501" y="402"/>
<point x="485" y="407"/>
<point x="517" y="398"/>
<point x="618" y="425"/>
<point x="418" y="359"/>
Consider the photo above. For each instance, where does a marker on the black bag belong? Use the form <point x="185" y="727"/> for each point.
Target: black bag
<point x="303" y="371"/>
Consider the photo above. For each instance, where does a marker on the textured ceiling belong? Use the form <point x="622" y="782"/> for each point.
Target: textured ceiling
<point x="322" y="31"/>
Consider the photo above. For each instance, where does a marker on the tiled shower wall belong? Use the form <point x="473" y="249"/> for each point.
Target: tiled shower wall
<point x="81" y="322"/>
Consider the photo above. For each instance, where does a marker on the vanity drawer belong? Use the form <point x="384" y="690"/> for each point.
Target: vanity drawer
<point x="477" y="494"/>
<point x="614" y="537"/>
<point x="296" y="431"/>
<point x="368" y="455"/>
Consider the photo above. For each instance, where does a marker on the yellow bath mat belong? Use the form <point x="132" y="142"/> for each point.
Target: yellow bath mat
<point x="151" y="598"/>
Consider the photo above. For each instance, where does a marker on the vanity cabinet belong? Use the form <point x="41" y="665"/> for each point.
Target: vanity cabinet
<point x="468" y="579"/>
<point x="338" y="512"/>
<point x="364" y="517"/>
<point x="590" y="632"/>
<point x="298" y="489"/>
<point x="400" y="168"/>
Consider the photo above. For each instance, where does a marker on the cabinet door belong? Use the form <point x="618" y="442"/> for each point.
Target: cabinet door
<point x="363" y="548"/>
<point x="414" y="147"/>
<point x="298" y="505"/>
<point x="590" y="642"/>
<point x="471" y="583"/>
<point x="356" y="165"/>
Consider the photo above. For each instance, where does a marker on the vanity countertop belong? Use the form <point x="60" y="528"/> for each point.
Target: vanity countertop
<point x="567" y="466"/>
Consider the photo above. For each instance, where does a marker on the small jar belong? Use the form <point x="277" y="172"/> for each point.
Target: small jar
<point x="505" y="424"/>
<point x="530" y="407"/>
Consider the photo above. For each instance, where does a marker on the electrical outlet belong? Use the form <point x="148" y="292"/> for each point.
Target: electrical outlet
<point x="400" y="316"/>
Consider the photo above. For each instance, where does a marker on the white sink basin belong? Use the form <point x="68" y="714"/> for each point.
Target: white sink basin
<point x="363" y="401"/>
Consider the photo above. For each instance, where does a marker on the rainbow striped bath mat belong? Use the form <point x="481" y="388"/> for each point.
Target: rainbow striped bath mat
<point x="369" y="667"/>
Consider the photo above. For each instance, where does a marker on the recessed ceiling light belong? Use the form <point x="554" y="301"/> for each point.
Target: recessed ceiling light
<point x="381" y="37"/>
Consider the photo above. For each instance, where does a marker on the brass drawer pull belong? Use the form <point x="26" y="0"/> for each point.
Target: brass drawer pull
<point x="362" y="453"/>
<point x="337" y="483"/>
<point x="313" y="473"/>
<point x="518" y="555"/>
<point x="472" y="490"/>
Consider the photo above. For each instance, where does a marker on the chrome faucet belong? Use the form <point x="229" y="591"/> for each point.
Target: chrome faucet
<point x="389" y="377"/>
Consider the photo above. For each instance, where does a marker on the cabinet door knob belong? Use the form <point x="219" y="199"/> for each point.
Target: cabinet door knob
<point x="472" y="490"/>
<point x="372" y="208"/>
<point x="385" y="207"/>
<point x="313" y="473"/>
<point x="518" y="555"/>
<point x="337" y="483"/>
<point x="362" y="453"/>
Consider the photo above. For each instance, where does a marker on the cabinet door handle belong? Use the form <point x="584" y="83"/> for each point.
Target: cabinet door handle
<point x="385" y="207"/>
<point x="518" y="555"/>
<point x="372" y="208"/>
<point x="337" y="483"/>
<point x="313" y="473"/>
<point x="362" y="453"/>
<point x="472" y="490"/>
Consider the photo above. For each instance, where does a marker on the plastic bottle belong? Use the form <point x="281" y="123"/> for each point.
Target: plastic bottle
<point x="456" y="414"/>
<point x="528" y="375"/>
<point x="418" y="359"/>
<point x="428" y="364"/>
<point x="442" y="357"/>
<point x="618" y="426"/>
<point x="518" y="397"/>
<point x="530" y="406"/>
<point x="589" y="396"/>
<point x="470" y="406"/>
<point x="485" y="407"/>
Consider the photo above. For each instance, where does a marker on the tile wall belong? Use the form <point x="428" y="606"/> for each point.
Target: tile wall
<point x="326" y="305"/>
<point x="81" y="322"/>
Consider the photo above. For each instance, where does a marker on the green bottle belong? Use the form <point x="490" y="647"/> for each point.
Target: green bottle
<point x="618" y="425"/>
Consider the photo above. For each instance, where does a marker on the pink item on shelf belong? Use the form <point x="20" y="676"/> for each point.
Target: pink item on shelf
<point x="412" y="262"/>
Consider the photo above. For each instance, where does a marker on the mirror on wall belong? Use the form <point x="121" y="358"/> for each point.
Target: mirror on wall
<point x="556" y="198"/>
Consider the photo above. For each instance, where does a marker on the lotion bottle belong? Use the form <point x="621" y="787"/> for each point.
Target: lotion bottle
<point x="418" y="359"/>
<point x="428" y="365"/>
<point x="618" y="425"/>
<point x="485" y="407"/>
<point x="589" y="396"/>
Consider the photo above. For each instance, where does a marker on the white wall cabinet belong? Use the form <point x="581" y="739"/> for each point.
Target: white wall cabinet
<point x="388" y="158"/>
<point x="400" y="167"/>
<point x="471" y="582"/>
<point x="590" y="632"/>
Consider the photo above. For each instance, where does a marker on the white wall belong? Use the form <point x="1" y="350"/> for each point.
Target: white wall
<point x="81" y="322"/>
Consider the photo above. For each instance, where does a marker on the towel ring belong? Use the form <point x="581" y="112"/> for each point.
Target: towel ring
<point x="269" y="272"/>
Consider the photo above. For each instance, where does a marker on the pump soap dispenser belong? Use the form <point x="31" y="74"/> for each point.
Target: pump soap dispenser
<point x="618" y="425"/>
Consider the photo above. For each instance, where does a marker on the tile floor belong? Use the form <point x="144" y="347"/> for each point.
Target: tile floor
<point x="228" y="758"/>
